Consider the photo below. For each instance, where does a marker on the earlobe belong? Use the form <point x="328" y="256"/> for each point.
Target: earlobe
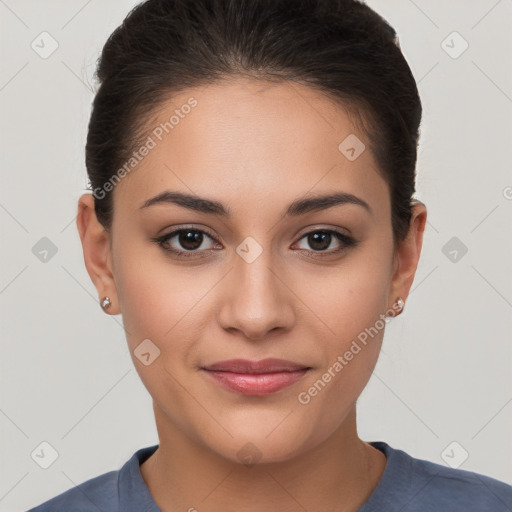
<point x="408" y="253"/>
<point x="97" y="252"/>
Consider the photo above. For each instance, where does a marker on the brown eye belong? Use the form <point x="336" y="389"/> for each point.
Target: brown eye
<point x="186" y="242"/>
<point x="319" y="242"/>
<point x="190" y="240"/>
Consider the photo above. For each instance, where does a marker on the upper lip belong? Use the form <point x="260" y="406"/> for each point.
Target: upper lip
<point x="270" y="365"/>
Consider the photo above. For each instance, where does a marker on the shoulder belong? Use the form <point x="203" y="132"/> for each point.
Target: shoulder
<point x="92" y="495"/>
<point x="422" y="485"/>
<point x="122" y="490"/>
<point x="470" y="490"/>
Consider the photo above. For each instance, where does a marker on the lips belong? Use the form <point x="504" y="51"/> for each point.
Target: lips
<point x="256" y="367"/>
<point x="255" y="377"/>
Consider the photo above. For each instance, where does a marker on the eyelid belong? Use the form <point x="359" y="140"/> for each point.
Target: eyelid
<point x="176" y="231"/>
<point x="346" y="240"/>
<point x="323" y="227"/>
<point x="181" y="254"/>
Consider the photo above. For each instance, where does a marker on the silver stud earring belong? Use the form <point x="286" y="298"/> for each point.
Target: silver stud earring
<point x="397" y="308"/>
<point x="105" y="303"/>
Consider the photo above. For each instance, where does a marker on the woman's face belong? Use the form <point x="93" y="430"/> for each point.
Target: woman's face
<point x="254" y="282"/>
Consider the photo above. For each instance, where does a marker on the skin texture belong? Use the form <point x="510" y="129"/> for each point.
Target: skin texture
<point x="255" y="147"/>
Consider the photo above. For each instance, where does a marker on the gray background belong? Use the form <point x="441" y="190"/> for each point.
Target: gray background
<point x="444" y="374"/>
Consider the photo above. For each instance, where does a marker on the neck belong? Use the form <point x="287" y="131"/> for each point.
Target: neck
<point x="339" y="474"/>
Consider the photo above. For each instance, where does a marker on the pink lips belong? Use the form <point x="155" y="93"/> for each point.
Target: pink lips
<point x="255" y="377"/>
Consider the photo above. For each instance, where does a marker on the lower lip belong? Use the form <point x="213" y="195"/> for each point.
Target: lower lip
<point x="256" y="384"/>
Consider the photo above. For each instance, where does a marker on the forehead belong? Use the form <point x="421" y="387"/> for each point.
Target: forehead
<point x="240" y="139"/>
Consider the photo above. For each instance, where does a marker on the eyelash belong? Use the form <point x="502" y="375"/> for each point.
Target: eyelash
<point x="347" y="241"/>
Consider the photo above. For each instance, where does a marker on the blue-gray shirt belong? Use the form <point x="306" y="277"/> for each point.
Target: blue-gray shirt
<point x="407" y="485"/>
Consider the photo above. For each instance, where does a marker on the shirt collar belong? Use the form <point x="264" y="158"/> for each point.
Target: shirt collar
<point x="134" y="495"/>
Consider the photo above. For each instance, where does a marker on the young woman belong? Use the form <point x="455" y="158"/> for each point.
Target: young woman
<point x="252" y="168"/>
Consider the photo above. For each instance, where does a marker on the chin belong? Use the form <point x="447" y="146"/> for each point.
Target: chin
<point x="256" y="442"/>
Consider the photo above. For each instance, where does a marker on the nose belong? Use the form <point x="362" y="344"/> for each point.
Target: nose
<point x="256" y="298"/>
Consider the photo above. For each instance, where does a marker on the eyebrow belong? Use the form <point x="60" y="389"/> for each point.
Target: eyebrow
<point x="296" y="208"/>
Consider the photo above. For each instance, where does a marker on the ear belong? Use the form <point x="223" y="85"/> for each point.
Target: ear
<point x="407" y="254"/>
<point x="97" y="251"/>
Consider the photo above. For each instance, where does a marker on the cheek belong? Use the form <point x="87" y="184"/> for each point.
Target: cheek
<point x="140" y="300"/>
<point x="164" y="303"/>
<point x="347" y="298"/>
<point x="153" y="293"/>
<point x="157" y="305"/>
<point x="350" y="302"/>
<point x="348" y="359"/>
